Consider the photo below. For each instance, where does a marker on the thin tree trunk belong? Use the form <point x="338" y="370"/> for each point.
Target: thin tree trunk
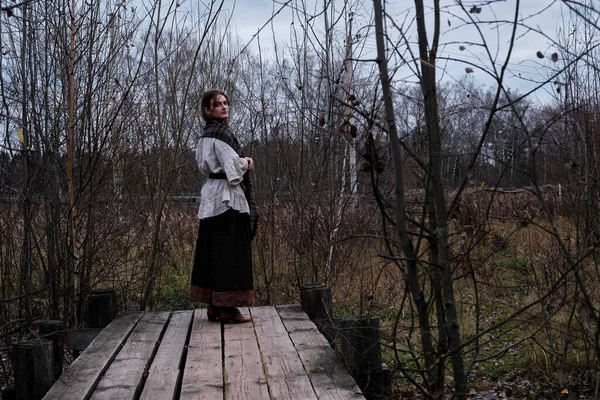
<point x="432" y="121"/>
<point x="71" y="283"/>
<point x="25" y="278"/>
<point x="401" y="221"/>
<point x="436" y="279"/>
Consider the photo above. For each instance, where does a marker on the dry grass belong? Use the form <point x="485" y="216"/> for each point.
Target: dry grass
<point x="504" y="260"/>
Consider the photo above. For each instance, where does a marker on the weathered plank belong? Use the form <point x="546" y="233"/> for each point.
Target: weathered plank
<point x="326" y="372"/>
<point x="203" y="373"/>
<point x="79" y="380"/>
<point x="244" y="375"/>
<point x="166" y="370"/>
<point x="80" y="339"/>
<point x="285" y="373"/>
<point x="123" y="378"/>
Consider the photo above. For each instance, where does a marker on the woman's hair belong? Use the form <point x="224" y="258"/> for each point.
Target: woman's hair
<point x="207" y="100"/>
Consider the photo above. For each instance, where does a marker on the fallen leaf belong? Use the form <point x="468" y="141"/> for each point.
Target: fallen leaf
<point x="462" y="48"/>
<point x="469" y="70"/>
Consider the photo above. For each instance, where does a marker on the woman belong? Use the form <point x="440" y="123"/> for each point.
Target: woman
<point x="222" y="274"/>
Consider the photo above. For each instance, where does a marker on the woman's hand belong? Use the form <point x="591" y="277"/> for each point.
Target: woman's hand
<point x="250" y="163"/>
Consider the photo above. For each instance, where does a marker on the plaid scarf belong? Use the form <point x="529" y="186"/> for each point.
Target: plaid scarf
<point x="217" y="130"/>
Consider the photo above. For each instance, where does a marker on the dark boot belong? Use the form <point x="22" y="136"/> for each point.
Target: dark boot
<point x="232" y="314"/>
<point x="213" y="313"/>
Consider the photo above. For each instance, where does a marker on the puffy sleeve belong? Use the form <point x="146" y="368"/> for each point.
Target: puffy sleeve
<point x="233" y="165"/>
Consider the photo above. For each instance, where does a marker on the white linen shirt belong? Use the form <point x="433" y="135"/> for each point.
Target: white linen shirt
<point x="219" y="195"/>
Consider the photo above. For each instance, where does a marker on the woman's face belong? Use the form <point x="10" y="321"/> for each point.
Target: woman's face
<point x="219" y="108"/>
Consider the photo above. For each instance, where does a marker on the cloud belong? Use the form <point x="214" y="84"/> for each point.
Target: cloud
<point x="538" y="25"/>
<point x="250" y="16"/>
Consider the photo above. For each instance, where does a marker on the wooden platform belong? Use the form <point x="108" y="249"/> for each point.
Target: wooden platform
<point x="181" y="355"/>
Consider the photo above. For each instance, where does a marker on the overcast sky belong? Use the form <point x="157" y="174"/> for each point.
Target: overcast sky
<point x="248" y="16"/>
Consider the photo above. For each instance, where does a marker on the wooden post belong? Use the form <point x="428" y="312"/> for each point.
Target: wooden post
<point x="359" y="345"/>
<point x="33" y="362"/>
<point x="316" y="301"/>
<point x="358" y="341"/>
<point x="385" y="379"/>
<point x="317" y="304"/>
<point x="54" y="330"/>
<point x="101" y="308"/>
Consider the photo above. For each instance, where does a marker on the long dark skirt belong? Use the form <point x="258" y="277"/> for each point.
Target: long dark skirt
<point x="222" y="273"/>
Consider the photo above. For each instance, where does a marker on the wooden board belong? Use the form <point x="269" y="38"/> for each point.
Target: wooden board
<point x="244" y="374"/>
<point x="80" y="339"/>
<point x="80" y="379"/>
<point x="123" y="379"/>
<point x="326" y="372"/>
<point x="203" y="373"/>
<point x="285" y="373"/>
<point x="167" y="369"/>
